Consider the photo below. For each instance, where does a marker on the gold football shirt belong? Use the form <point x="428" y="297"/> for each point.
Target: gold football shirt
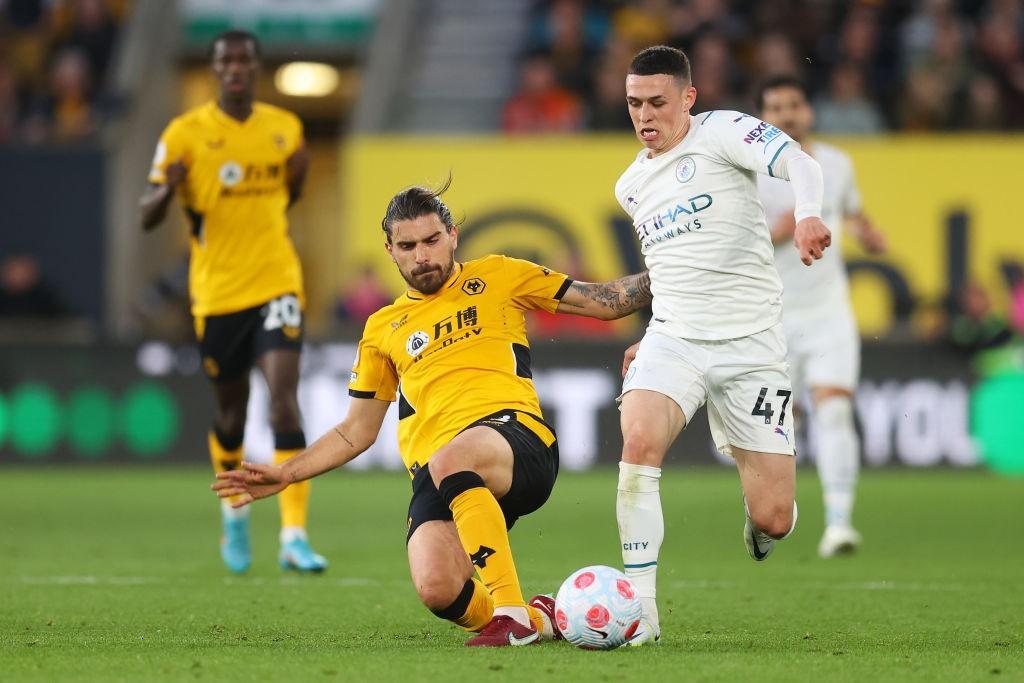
<point x="458" y="355"/>
<point x="235" y="195"/>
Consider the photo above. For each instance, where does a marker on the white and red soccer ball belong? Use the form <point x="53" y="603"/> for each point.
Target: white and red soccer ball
<point x="597" y="608"/>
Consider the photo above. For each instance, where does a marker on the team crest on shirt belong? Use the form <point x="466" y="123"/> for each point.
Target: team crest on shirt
<point x="416" y="343"/>
<point x="685" y="169"/>
<point x="230" y="173"/>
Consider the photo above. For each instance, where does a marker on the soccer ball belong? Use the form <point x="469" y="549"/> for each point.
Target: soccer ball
<point x="597" y="608"/>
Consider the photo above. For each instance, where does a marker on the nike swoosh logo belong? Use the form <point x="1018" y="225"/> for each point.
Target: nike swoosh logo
<point x="514" y="642"/>
<point x="757" y="551"/>
<point x="600" y="633"/>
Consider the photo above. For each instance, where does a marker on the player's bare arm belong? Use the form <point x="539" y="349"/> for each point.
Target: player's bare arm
<point x="157" y="198"/>
<point x="297" y="167"/>
<point x="339" y="445"/>
<point x="870" y="237"/>
<point x="783" y="229"/>
<point x="608" y="300"/>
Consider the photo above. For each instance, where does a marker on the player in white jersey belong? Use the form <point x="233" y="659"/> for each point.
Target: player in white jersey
<point x="821" y="333"/>
<point x="716" y="334"/>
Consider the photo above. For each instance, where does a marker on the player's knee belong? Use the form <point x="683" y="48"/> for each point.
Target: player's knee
<point x="638" y="448"/>
<point x="230" y="419"/>
<point x="775" y="520"/>
<point x="444" y="463"/>
<point x="284" y="414"/>
<point x="437" y="593"/>
<point x="834" y="411"/>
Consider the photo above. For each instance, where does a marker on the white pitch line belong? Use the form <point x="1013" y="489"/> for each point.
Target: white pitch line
<point x="882" y="585"/>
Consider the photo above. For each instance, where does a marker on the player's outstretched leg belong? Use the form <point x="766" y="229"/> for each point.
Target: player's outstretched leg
<point x="838" y="466"/>
<point x="650" y="423"/>
<point x="769" y="489"/>
<point x="465" y="471"/>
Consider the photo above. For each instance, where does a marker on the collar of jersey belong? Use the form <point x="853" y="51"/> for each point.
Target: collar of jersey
<point x="222" y="117"/>
<point x="418" y="296"/>
<point x="668" y="152"/>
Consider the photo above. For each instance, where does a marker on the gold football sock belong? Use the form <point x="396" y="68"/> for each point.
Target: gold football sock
<point x="222" y="458"/>
<point x="537" y="619"/>
<point x="481" y="527"/>
<point x="473" y="609"/>
<point x="294" y="500"/>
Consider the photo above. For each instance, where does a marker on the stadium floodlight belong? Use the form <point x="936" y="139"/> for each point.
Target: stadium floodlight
<point x="306" y="79"/>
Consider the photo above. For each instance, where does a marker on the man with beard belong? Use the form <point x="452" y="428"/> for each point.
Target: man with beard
<point x="453" y="352"/>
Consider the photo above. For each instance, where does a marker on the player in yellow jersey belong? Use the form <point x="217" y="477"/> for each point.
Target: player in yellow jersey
<point x="236" y="165"/>
<point x="453" y="352"/>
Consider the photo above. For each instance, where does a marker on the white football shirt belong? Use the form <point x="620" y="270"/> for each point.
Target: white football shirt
<point x="702" y="230"/>
<point x="820" y="291"/>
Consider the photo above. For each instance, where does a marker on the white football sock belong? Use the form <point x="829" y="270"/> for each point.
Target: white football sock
<point x="641" y="531"/>
<point x="290" y="533"/>
<point x="838" y="458"/>
<point x="229" y="512"/>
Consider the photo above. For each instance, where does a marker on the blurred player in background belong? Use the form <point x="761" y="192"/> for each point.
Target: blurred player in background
<point x="453" y="352"/>
<point x="236" y="166"/>
<point x="821" y="332"/>
<point x="716" y="335"/>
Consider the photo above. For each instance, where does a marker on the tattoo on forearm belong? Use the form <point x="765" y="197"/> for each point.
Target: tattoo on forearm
<point x="623" y="296"/>
<point x="343" y="437"/>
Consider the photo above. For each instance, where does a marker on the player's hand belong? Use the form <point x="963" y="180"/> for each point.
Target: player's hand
<point x="811" y="238"/>
<point x="252" y="482"/>
<point x="627" y="358"/>
<point x="871" y="239"/>
<point x="175" y="174"/>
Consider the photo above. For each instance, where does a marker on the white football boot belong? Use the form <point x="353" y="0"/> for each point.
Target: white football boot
<point x="839" y="539"/>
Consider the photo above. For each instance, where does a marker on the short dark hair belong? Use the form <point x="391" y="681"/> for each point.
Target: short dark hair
<point x="416" y="201"/>
<point x="785" y="81"/>
<point x="236" y="35"/>
<point x="661" y="59"/>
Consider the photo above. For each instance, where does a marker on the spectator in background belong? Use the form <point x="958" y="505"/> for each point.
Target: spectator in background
<point x="23" y="294"/>
<point x="847" y="109"/>
<point x="605" y="112"/>
<point x="541" y="105"/>
<point x="775" y="55"/>
<point x="65" y="113"/>
<point x="572" y="33"/>
<point x="9" y="103"/>
<point x="88" y="25"/>
<point x="984" y="109"/>
<point x="1000" y="54"/>
<point x="365" y="296"/>
<point x="713" y="68"/>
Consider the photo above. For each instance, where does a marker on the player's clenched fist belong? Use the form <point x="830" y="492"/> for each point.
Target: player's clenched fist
<point x="811" y="238"/>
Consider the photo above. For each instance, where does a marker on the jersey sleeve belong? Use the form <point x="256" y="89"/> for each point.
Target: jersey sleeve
<point x="851" y="193"/>
<point x="534" y="287"/>
<point x="170" y="149"/>
<point x="296" y="136"/>
<point x="747" y="142"/>
<point x="373" y="374"/>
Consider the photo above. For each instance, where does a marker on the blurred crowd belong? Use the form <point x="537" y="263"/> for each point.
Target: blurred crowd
<point x="913" y="65"/>
<point x="54" y="63"/>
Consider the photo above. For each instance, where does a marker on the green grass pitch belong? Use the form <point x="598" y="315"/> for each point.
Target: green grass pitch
<point x="113" y="575"/>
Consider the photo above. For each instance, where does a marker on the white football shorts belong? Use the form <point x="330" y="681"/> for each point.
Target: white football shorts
<point x="744" y="382"/>
<point x="823" y="351"/>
